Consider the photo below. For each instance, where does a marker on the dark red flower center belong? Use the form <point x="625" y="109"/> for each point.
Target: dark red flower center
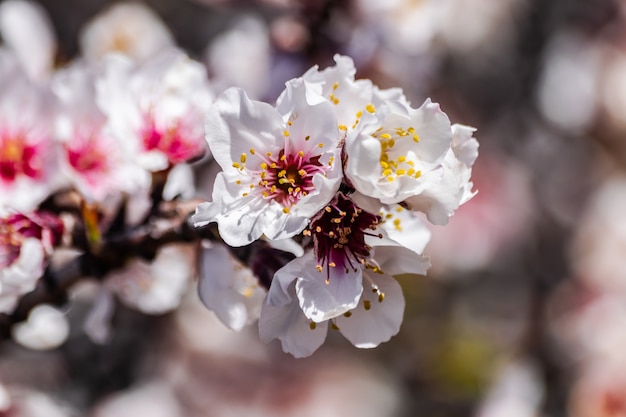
<point x="339" y="232"/>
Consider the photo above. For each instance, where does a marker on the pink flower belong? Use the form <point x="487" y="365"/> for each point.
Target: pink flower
<point x="157" y="109"/>
<point x="25" y="243"/>
<point x="91" y="157"/>
<point x="26" y="148"/>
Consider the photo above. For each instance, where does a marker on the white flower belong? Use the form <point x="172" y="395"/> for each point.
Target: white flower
<point x="346" y="279"/>
<point x="156" y="109"/>
<point x="228" y="288"/>
<point x="91" y="157"/>
<point x="155" y="287"/>
<point x="278" y="170"/>
<point x="351" y="98"/>
<point x="390" y="153"/>
<point x="376" y="317"/>
<point x="448" y="186"/>
<point x="128" y="28"/>
<point x="393" y="152"/>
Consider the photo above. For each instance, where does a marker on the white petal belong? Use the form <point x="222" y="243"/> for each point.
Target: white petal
<point x="321" y="301"/>
<point x="235" y="124"/>
<point x="465" y="147"/>
<point x="156" y="287"/>
<point x="279" y="294"/>
<point x="395" y="260"/>
<point x="433" y="128"/>
<point x="363" y="167"/>
<point x="292" y="328"/>
<point x="367" y="328"/>
<point x="447" y="188"/>
<point x="287" y="245"/>
<point x="228" y="288"/>
<point x="27" y="29"/>
<point x="46" y="328"/>
<point x="406" y="228"/>
<point x="179" y="182"/>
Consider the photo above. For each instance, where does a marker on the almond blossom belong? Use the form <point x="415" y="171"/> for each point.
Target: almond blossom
<point x="280" y="179"/>
<point x="156" y="109"/>
<point x="27" y="163"/>
<point x="131" y="29"/>
<point x="393" y="152"/>
<point x="278" y="170"/>
<point x="154" y="287"/>
<point x="91" y="157"/>
<point x="26" y="241"/>
<point x="346" y="279"/>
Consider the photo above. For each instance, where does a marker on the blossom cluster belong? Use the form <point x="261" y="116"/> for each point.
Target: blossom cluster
<point x="350" y="172"/>
<point x="331" y="188"/>
<point x="92" y="139"/>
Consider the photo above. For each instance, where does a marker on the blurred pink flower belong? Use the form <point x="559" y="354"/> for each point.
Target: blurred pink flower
<point x="26" y="241"/>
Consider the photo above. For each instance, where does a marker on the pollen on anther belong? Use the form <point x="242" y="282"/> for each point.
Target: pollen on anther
<point x="312" y="325"/>
<point x="347" y="314"/>
<point x="252" y="151"/>
<point x="319" y="268"/>
<point x="286" y="210"/>
<point x="367" y="304"/>
<point x="243" y="158"/>
<point x="381" y="297"/>
<point x="286" y="133"/>
<point x="370" y="108"/>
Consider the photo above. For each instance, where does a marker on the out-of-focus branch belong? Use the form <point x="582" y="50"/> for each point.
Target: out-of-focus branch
<point x="171" y="225"/>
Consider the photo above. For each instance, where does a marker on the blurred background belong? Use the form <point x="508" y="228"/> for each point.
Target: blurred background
<point x="523" y="312"/>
